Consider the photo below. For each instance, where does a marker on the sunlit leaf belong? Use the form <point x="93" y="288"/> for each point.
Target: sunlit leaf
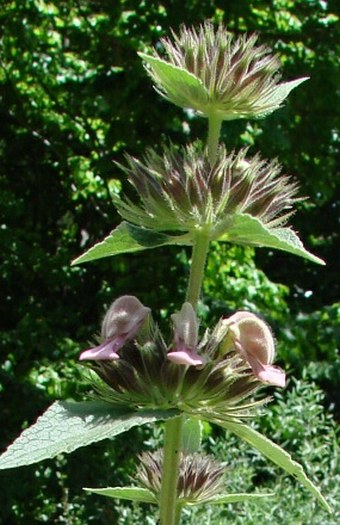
<point x="66" y="426"/>
<point x="281" y="91"/>
<point x="180" y="86"/>
<point x="128" y="238"/>
<point x="250" y="231"/>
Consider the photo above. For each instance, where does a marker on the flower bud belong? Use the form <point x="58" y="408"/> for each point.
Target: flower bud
<point x="121" y="323"/>
<point x="252" y="338"/>
<point x="179" y="191"/>
<point x="200" y="476"/>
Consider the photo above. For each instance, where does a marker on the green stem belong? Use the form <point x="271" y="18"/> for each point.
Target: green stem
<point x="170" y="509"/>
<point x="169" y="506"/>
<point x="199" y="257"/>
<point x="214" y="131"/>
<point x="171" y="459"/>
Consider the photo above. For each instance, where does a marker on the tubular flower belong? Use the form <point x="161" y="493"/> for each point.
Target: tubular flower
<point x="180" y="191"/>
<point x="214" y="74"/>
<point x="186" y="337"/>
<point x="211" y="377"/>
<point x="253" y="339"/>
<point x="200" y="477"/>
<point x="121" y="323"/>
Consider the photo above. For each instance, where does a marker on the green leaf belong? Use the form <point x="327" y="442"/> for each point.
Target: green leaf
<point x="276" y="454"/>
<point x="281" y="91"/>
<point x="129" y="493"/>
<point x="66" y="426"/>
<point x="128" y="238"/>
<point x="192" y="435"/>
<point x="245" y="229"/>
<point x="221" y="499"/>
<point x="181" y="87"/>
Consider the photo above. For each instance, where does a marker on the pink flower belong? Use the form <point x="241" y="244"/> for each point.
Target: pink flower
<point x="185" y="338"/>
<point x="253" y="339"/>
<point x="121" y="323"/>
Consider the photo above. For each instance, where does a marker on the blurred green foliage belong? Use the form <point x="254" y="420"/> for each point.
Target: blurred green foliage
<point x="74" y="96"/>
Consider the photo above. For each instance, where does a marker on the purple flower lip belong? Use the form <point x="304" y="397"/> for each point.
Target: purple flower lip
<point x="185" y="356"/>
<point x="272" y="375"/>
<point x="107" y="350"/>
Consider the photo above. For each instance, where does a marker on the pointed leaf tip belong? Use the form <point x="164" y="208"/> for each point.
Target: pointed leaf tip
<point x="248" y="230"/>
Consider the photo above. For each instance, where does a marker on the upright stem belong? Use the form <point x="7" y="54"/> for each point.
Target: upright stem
<point x="215" y="123"/>
<point x="170" y="510"/>
<point x="169" y="513"/>
<point x="199" y="257"/>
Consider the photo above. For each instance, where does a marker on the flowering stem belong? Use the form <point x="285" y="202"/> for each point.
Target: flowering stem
<point x="214" y="130"/>
<point x="170" y="509"/>
<point x="169" y="514"/>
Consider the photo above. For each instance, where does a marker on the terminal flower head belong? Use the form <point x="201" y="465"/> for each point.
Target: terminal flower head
<point x="121" y="323"/>
<point x="213" y="73"/>
<point x="253" y="339"/>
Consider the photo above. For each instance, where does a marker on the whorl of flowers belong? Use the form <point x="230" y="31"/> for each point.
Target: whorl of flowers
<point x="210" y="377"/>
<point x="180" y="191"/>
<point x="214" y="73"/>
<point x="200" y="477"/>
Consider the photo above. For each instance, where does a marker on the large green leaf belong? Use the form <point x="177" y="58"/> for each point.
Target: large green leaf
<point x="66" y="426"/>
<point x="178" y="85"/>
<point x="129" y="493"/>
<point x="276" y="454"/>
<point x="241" y="497"/>
<point x="245" y="229"/>
<point x="128" y="238"/>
